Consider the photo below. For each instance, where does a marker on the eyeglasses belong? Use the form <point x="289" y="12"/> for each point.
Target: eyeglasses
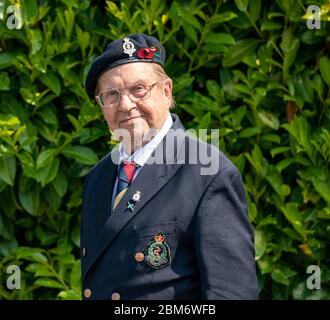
<point x="109" y="97"/>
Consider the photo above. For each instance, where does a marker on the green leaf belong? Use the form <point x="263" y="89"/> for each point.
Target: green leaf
<point x="83" y="39"/>
<point x="45" y="156"/>
<point x="280" y="277"/>
<point x="113" y="8"/>
<point x="276" y="182"/>
<point x="30" y="10"/>
<point x="2" y="186"/>
<point x="36" y="41"/>
<point x="299" y="128"/>
<point x="318" y="85"/>
<point x="279" y="150"/>
<point x="249" y="132"/>
<point x="8" y="169"/>
<point x="293" y="215"/>
<point x="4" y="227"/>
<point x="242" y="5"/>
<point x="238" y="51"/>
<point x="70" y="295"/>
<point x="88" y="135"/>
<point x="65" y="258"/>
<point x="4" y="81"/>
<point x="48" y="172"/>
<point x="52" y="197"/>
<point x="322" y="188"/>
<point x="190" y="32"/>
<point x="8" y="247"/>
<point x="60" y="183"/>
<point x="271" y="138"/>
<point x="222" y="17"/>
<point x="40" y="270"/>
<point x="46" y="237"/>
<point x="270" y="25"/>
<point x="191" y="20"/>
<point x="290" y="54"/>
<point x="75" y="277"/>
<point x="303" y="87"/>
<point x="9" y="121"/>
<point x="216" y="48"/>
<point x="253" y="211"/>
<point x="64" y="244"/>
<point x="257" y="160"/>
<point x="325" y="69"/>
<point x="260" y="243"/>
<point x="205" y="122"/>
<point x="31" y="254"/>
<point x="254" y="10"/>
<point x="238" y="116"/>
<point x="265" y="264"/>
<point x="269" y="120"/>
<point x="29" y="197"/>
<point x="48" y="283"/>
<point x="82" y="154"/>
<point x="214" y="89"/>
<point x="284" y="164"/>
<point x="74" y="122"/>
<point x="219" y="38"/>
<point x="19" y="133"/>
<point x="75" y="235"/>
<point x="48" y="115"/>
<point x="7" y="58"/>
<point x="51" y="80"/>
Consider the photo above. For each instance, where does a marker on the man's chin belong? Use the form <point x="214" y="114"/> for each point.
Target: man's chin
<point x="132" y="134"/>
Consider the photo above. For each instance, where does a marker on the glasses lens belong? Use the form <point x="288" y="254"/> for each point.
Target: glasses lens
<point x="138" y="92"/>
<point x="108" y="97"/>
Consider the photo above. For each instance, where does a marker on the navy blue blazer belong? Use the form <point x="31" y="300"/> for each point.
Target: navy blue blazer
<point x="188" y="236"/>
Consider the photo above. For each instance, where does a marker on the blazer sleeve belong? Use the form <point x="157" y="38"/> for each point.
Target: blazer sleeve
<point x="223" y="240"/>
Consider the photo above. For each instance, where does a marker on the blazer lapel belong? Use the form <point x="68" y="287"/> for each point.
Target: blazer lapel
<point x="106" y="187"/>
<point x="149" y="182"/>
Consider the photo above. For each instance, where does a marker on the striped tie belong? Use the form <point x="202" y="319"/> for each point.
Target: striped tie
<point x="125" y="177"/>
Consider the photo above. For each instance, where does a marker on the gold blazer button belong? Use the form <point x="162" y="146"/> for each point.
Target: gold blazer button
<point x="115" y="296"/>
<point x="87" y="293"/>
<point x="139" y="257"/>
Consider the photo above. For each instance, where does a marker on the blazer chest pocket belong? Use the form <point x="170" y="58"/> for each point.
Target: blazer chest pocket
<point x="156" y="244"/>
<point x="168" y="229"/>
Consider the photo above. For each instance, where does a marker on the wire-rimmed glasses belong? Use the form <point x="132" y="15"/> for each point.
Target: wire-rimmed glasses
<point x="108" y="98"/>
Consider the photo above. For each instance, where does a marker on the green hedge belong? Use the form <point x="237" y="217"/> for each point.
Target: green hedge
<point x="250" y="68"/>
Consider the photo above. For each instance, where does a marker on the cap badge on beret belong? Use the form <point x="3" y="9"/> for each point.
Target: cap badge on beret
<point x="128" y="47"/>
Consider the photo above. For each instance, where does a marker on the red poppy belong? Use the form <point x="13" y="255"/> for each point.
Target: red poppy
<point x="147" y="53"/>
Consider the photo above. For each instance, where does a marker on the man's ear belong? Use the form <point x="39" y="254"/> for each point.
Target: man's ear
<point x="168" y="88"/>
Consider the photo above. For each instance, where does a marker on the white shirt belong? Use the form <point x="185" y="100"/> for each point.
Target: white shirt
<point x="142" y="154"/>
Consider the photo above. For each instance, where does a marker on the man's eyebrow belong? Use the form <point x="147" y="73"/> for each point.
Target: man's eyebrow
<point x="137" y="82"/>
<point x="130" y="84"/>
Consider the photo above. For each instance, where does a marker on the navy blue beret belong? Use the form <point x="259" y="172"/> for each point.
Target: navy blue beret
<point x="133" y="48"/>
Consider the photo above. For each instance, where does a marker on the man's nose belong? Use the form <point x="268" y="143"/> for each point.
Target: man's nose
<point x="125" y="103"/>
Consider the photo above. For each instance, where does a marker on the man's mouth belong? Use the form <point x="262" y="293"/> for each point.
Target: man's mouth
<point x="129" y="119"/>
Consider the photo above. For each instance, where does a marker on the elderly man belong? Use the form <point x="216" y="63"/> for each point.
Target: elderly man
<point x="153" y="226"/>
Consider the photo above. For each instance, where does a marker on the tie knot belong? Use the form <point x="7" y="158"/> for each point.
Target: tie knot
<point x="128" y="171"/>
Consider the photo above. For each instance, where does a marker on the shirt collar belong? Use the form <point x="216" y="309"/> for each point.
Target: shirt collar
<point x="142" y="154"/>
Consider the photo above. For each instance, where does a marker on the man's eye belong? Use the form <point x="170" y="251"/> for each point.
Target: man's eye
<point x="138" y="88"/>
<point x="112" y="92"/>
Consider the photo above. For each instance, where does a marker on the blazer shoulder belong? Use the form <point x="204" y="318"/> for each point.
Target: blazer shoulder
<point x="108" y="159"/>
<point x="207" y="154"/>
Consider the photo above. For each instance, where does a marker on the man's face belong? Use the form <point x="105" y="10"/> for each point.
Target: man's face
<point x="137" y="117"/>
